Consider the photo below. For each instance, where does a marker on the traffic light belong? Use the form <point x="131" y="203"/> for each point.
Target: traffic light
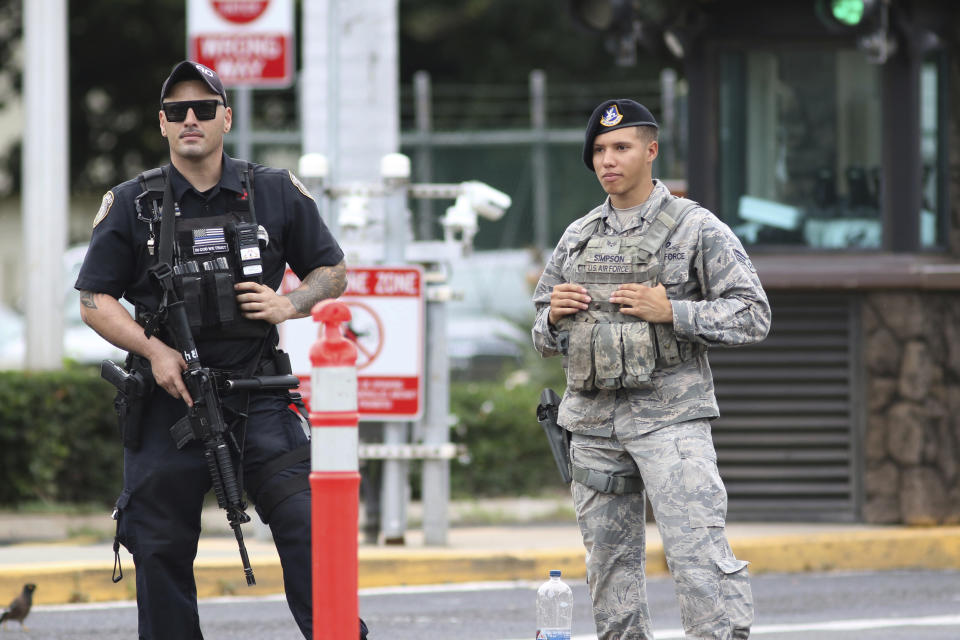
<point x="849" y="15"/>
<point x="868" y="20"/>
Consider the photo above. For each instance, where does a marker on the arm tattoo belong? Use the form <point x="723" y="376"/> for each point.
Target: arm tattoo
<point x="87" y="299"/>
<point x="320" y="284"/>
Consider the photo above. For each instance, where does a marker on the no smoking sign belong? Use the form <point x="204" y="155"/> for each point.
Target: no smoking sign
<point x="387" y="324"/>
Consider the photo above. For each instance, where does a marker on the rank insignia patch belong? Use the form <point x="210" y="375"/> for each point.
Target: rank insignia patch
<point x="611" y="117"/>
<point x="299" y="185"/>
<point x="744" y="260"/>
<point x="104" y="207"/>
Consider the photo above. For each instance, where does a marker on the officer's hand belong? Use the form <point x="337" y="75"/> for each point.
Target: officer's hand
<point x="647" y="303"/>
<point x="566" y="299"/>
<point x="260" y="302"/>
<point x="168" y="366"/>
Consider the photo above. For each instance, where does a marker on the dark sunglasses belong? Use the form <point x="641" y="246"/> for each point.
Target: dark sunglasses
<point x="203" y="109"/>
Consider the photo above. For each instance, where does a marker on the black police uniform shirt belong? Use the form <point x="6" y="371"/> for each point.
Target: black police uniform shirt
<point x="117" y="259"/>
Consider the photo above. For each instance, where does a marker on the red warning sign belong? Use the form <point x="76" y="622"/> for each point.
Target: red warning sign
<point x="387" y="323"/>
<point x="247" y="42"/>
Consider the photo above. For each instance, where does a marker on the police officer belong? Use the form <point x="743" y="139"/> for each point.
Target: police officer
<point x="235" y="225"/>
<point x="632" y="297"/>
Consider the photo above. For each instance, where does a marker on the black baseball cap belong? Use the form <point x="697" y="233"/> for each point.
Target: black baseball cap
<point x="189" y="70"/>
<point x="614" y="114"/>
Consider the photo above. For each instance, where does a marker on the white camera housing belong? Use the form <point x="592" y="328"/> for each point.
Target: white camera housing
<point x="313" y="165"/>
<point x="488" y="202"/>
<point x="395" y="166"/>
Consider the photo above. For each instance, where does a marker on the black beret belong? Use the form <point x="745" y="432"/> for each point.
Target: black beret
<point x="610" y="115"/>
<point x="188" y="70"/>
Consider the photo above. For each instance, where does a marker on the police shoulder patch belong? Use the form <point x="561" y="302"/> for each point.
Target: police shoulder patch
<point x="105" y="205"/>
<point x="299" y="185"/>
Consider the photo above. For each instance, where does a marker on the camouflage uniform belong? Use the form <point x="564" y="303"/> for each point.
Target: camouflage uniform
<point x="663" y="430"/>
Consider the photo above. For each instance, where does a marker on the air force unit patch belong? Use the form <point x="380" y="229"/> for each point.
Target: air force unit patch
<point x="299" y="185"/>
<point x="104" y="207"/>
<point x="611" y="117"/>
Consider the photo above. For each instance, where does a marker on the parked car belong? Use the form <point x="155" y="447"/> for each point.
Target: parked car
<point x="489" y="324"/>
<point x="80" y="343"/>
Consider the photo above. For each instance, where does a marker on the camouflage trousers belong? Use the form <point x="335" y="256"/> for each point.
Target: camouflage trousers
<point x="679" y="470"/>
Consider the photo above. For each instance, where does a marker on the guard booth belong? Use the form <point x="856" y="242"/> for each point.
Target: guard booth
<point x="823" y="132"/>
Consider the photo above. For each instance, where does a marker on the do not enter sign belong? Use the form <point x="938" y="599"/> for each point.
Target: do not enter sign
<point x="247" y="42"/>
<point x="387" y="324"/>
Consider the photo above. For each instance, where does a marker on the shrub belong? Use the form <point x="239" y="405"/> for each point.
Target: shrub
<point x="58" y="437"/>
<point x="507" y="451"/>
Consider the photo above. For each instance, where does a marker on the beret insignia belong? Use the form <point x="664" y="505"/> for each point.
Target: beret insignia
<point x="611" y="117"/>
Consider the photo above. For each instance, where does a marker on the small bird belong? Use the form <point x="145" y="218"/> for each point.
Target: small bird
<point x="20" y="606"/>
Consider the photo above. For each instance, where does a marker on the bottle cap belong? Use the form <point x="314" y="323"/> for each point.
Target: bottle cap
<point x="554" y="573"/>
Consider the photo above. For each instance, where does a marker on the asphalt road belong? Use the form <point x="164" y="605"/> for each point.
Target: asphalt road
<point x="920" y="605"/>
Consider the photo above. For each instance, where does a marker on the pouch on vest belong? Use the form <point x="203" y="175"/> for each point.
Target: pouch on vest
<point x="580" y="357"/>
<point x="639" y="358"/>
<point x="607" y="356"/>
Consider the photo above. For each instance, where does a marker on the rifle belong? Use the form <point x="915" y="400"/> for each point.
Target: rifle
<point x="204" y="420"/>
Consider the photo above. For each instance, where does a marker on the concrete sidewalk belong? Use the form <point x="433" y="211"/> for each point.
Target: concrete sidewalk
<point x="78" y="569"/>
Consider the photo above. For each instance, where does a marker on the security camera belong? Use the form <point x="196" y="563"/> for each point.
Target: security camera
<point x="461" y="219"/>
<point x="485" y="200"/>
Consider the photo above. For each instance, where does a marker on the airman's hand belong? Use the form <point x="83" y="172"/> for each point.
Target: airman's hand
<point x="567" y="299"/>
<point x="647" y="303"/>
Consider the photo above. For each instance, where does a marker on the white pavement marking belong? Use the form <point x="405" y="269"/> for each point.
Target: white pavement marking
<point x="829" y="625"/>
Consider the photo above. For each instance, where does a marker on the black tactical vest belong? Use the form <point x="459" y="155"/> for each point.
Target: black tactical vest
<point x="209" y="255"/>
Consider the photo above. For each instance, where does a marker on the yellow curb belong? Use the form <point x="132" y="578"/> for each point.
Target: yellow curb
<point x="894" y="548"/>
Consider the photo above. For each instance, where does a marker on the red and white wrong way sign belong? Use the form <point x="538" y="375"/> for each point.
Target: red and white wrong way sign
<point x="247" y="42"/>
<point x="387" y="323"/>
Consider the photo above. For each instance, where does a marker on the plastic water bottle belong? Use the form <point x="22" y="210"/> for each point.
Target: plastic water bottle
<point x="554" y="609"/>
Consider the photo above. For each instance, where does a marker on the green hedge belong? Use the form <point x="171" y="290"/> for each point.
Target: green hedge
<point x="507" y="451"/>
<point x="59" y="442"/>
<point x="58" y="438"/>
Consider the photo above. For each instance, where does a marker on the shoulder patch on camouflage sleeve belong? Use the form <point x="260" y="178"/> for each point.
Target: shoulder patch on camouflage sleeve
<point x="105" y="205"/>
<point x="744" y="260"/>
<point x="299" y="185"/>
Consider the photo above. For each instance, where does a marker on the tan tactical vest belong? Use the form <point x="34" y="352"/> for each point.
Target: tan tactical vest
<point x="606" y="349"/>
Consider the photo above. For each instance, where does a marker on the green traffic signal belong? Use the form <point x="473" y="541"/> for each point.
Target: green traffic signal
<point x="847" y="12"/>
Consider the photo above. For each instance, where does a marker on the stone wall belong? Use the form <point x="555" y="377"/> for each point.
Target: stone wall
<point x="912" y="439"/>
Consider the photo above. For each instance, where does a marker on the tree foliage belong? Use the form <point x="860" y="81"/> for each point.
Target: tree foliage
<point x="121" y="50"/>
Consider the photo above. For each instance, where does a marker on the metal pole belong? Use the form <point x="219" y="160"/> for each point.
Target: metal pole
<point x="45" y="178"/>
<point x="395" y="170"/>
<point x="242" y="122"/>
<point x="541" y="176"/>
<point x="333" y="95"/>
<point x="435" y="488"/>
<point x="668" y="115"/>
<point x="424" y="152"/>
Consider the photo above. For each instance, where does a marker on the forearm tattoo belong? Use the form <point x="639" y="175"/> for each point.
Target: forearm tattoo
<point x="86" y="299"/>
<point x="320" y="284"/>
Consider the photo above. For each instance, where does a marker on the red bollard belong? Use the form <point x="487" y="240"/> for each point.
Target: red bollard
<point x="334" y="476"/>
